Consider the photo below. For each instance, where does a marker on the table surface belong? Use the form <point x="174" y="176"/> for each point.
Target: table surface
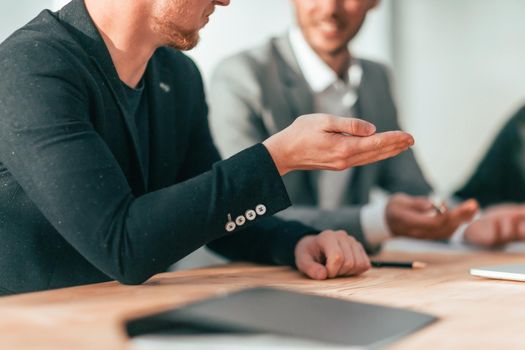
<point x="474" y="312"/>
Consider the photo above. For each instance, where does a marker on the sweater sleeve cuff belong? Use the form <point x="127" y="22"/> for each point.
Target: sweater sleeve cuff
<point x="373" y="221"/>
<point x="255" y="189"/>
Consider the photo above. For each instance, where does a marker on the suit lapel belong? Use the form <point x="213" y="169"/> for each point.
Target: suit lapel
<point x="297" y="93"/>
<point x="367" y="97"/>
<point x="163" y="109"/>
<point x="299" y="99"/>
<point x="359" y="187"/>
<point x="79" y="23"/>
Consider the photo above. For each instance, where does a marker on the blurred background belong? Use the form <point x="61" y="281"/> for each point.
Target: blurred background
<point x="457" y="65"/>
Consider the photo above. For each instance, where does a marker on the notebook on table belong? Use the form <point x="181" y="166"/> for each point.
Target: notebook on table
<point x="513" y="272"/>
<point x="291" y="314"/>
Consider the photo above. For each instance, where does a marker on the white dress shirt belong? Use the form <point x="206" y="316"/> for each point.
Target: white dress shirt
<point x="338" y="97"/>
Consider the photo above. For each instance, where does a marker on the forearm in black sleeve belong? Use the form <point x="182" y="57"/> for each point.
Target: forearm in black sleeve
<point x="270" y="241"/>
<point x="49" y="145"/>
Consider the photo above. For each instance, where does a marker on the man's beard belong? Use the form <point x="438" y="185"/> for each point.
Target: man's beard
<point x="174" y="36"/>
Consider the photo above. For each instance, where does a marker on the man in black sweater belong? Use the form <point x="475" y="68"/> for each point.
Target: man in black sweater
<point x="107" y="167"/>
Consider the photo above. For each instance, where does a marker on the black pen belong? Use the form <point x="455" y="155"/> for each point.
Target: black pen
<point x="399" y="264"/>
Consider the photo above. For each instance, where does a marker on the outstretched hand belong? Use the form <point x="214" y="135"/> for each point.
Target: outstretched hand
<point x="322" y="141"/>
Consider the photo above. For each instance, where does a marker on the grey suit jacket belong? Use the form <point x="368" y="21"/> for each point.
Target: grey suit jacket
<point x="259" y="92"/>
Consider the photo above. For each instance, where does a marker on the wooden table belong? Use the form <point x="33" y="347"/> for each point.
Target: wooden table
<point x="474" y="313"/>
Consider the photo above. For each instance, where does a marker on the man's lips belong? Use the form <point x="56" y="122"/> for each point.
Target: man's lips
<point x="207" y="15"/>
<point x="330" y="27"/>
<point x="210" y="12"/>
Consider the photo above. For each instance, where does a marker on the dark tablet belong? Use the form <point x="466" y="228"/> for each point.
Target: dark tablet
<point x="265" y="310"/>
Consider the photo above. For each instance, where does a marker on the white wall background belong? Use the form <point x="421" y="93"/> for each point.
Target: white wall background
<point x="459" y="68"/>
<point x="456" y="63"/>
<point x="59" y="3"/>
<point x="13" y="14"/>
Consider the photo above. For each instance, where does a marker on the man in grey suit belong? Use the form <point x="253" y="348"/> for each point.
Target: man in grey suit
<point x="259" y="92"/>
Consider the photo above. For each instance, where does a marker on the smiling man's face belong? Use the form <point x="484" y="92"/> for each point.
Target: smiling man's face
<point x="328" y="25"/>
<point x="178" y="22"/>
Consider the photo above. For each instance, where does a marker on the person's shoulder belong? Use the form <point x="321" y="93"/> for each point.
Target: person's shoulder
<point x="376" y="73"/>
<point x="261" y="54"/>
<point x="251" y="60"/>
<point x="516" y="122"/>
<point x="374" y="67"/>
<point x="45" y="29"/>
<point x="373" y="64"/>
<point x="41" y="49"/>
<point x="520" y="115"/>
<point x="41" y="43"/>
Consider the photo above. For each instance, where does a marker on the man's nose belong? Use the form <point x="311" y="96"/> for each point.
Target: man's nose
<point x="329" y="7"/>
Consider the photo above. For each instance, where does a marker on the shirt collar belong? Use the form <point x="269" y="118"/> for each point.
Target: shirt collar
<point x="315" y="71"/>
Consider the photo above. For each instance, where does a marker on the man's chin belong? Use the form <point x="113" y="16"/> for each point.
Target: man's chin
<point x="184" y="42"/>
<point x="186" y="46"/>
<point x="331" y="50"/>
